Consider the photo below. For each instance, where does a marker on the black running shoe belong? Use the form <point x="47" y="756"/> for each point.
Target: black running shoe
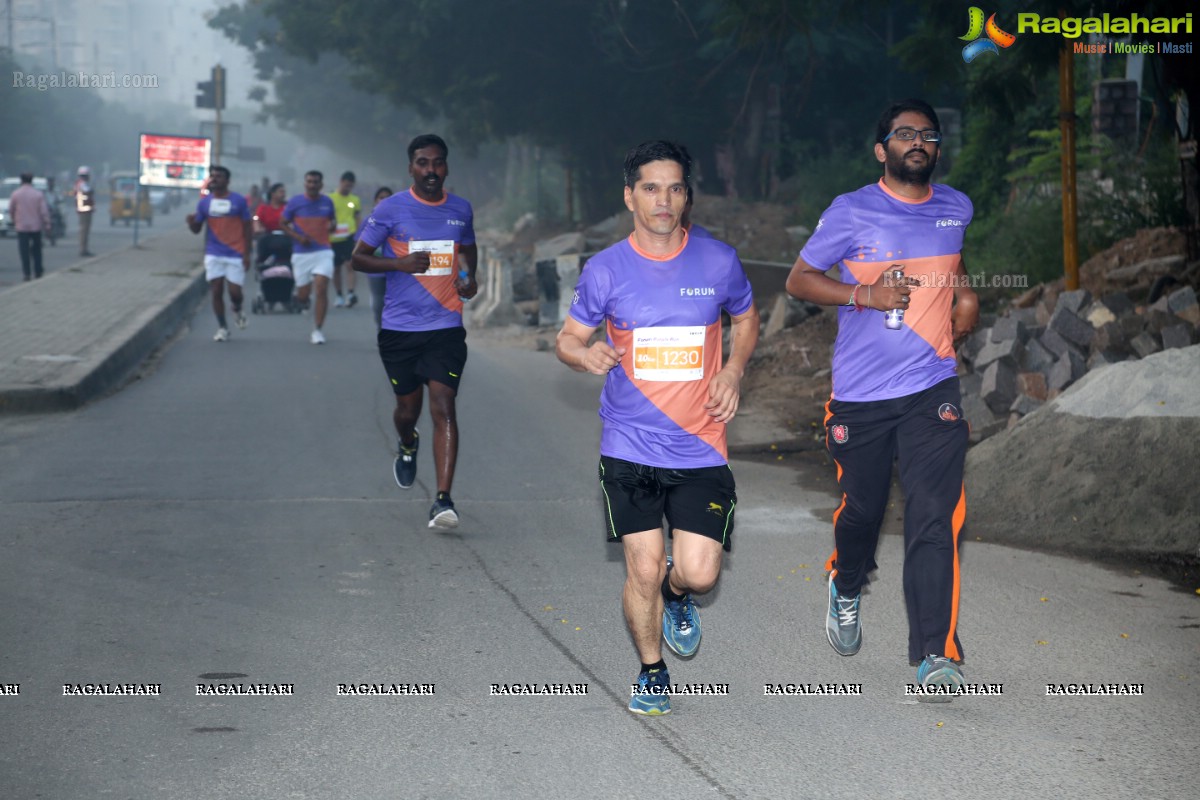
<point x="405" y="466"/>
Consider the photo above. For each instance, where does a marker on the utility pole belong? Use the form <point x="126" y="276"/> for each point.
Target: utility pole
<point x="1066" y="124"/>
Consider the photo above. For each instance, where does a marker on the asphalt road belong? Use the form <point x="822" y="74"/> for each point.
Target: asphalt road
<point x="231" y="518"/>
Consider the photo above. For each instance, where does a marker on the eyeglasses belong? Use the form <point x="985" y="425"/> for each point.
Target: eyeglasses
<point x="908" y="134"/>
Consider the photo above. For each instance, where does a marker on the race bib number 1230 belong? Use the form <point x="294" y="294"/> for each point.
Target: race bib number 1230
<point x="669" y="353"/>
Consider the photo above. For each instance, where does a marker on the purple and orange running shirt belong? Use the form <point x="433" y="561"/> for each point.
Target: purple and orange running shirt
<point x="310" y="217"/>
<point x="866" y="232"/>
<point x="226" y="234"/>
<point x="405" y="223"/>
<point x="666" y="313"/>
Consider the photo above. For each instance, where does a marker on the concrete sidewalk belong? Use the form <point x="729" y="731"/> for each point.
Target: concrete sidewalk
<point x="77" y="333"/>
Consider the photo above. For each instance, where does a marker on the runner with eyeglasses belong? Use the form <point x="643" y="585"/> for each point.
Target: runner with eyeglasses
<point x="895" y="391"/>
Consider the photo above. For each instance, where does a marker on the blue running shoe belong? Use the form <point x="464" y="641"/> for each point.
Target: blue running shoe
<point x="938" y="672"/>
<point x="650" y="695"/>
<point x="843" y="625"/>
<point x="681" y="623"/>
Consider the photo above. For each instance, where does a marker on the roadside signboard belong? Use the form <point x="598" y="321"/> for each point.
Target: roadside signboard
<point x="179" y="161"/>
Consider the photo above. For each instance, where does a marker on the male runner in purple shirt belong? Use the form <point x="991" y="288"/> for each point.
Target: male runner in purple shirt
<point x="309" y="219"/>
<point x="429" y="259"/>
<point x="895" y="386"/>
<point x="666" y="401"/>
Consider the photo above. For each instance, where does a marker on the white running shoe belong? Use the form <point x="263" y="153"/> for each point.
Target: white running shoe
<point x="340" y="302"/>
<point x="240" y="319"/>
<point x="222" y="335"/>
<point x="317" y="337"/>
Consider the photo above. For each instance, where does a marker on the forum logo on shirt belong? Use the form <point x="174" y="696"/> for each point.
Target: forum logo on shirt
<point x="983" y="37"/>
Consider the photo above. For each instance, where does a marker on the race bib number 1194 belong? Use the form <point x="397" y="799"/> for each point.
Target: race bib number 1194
<point x="668" y="353"/>
<point x="441" y="257"/>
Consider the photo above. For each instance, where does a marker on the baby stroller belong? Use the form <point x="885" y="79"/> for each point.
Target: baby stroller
<point x="273" y="269"/>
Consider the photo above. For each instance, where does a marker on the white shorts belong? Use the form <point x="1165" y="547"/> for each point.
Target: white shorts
<point x="305" y="265"/>
<point x="231" y="269"/>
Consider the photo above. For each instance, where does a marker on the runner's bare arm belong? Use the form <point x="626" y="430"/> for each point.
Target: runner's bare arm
<point x="469" y="253"/>
<point x="806" y="282"/>
<point x="194" y="225"/>
<point x="571" y="347"/>
<point x="364" y="260"/>
<point x="725" y="389"/>
<point x="965" y="315"/>
<point x="286" y="224"/>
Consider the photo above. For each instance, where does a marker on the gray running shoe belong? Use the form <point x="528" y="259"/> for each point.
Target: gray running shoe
<point x="941" y="673"/>
<point x="843" y="625"/>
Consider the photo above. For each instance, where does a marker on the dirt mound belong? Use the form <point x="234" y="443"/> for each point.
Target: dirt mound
<point x="1133" y="264"/>
<point x="759" y="231"/>
<point x="789" y="374"/>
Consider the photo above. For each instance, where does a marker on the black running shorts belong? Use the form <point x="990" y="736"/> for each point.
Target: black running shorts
<point x="413" y="358"/>
<point x="342" y="251"/>
<point x="637" y="497"/>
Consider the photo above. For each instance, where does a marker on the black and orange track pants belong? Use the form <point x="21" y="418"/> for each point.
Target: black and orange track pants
<point x="927" y="434"/>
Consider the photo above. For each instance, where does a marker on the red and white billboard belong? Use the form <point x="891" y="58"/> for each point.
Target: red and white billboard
<point x="180" y="161"/>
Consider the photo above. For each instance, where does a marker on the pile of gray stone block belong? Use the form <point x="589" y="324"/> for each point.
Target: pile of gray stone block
<point x="1014" y="363"/>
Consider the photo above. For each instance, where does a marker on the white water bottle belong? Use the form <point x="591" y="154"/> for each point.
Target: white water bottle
<point x="893" y="318"/>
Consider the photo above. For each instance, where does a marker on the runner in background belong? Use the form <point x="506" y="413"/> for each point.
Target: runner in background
<point x="378" y="281"/>
<point x="226" y="246"/>
<point x="309" y="219"/>
<point x="349" y="209"/>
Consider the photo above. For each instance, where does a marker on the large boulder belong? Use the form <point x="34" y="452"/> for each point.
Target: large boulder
<point x="1109" y="466"/>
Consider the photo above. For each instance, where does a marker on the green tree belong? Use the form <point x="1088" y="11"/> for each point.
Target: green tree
<point x="741" y="82"/>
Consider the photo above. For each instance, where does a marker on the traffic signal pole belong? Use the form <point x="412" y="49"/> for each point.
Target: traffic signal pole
<point x="212" y="95"/>
<point x="218" y="77"/>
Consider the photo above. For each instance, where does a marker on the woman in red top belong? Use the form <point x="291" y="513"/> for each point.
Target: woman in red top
<point x="266" y="216"/>
<point x="271" y="238"/>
